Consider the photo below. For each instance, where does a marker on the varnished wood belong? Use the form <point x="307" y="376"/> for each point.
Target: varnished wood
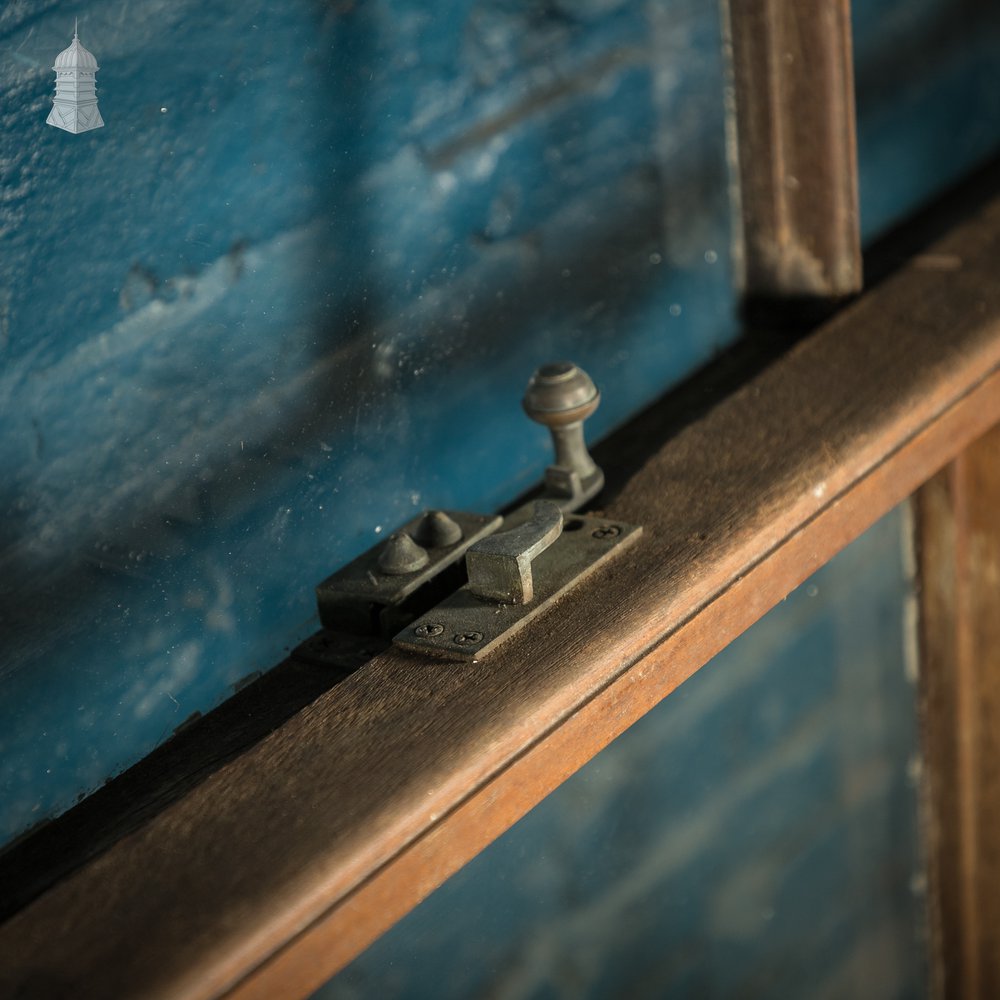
<point x="280" y="866"/>
<point x="199" y="748"/>
<point x="795" y="124"/>
<point x="958" y="532"/>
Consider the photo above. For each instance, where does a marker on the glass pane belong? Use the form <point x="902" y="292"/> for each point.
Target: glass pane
<point x="928" y="90"/>
<point x="289" y="294"/>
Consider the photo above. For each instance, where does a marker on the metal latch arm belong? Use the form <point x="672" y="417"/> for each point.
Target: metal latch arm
<point x="500" y="566"/>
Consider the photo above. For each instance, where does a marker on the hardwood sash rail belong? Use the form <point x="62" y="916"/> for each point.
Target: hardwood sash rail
<point x="958" y="544"/>
<point x="278" y="868"/>
<point x="793" y="86"/>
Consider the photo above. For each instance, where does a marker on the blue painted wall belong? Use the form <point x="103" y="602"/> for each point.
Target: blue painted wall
<point x="292" y="293"/>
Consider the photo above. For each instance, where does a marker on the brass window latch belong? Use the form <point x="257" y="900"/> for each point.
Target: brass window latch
<point x="454" y="584"/>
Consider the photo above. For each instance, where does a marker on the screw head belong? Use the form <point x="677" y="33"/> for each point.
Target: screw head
<point x="467" y="638"/>
<point x="607" y="531"/>
<point x="428" y="630"/>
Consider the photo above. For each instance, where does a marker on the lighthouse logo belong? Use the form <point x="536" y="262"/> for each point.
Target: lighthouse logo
<point x="75" y="105"/>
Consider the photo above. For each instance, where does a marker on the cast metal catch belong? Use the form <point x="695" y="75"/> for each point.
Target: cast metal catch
<point x="451" y="584"/>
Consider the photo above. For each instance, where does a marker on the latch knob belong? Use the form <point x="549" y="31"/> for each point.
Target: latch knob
<point x="561" y="396"/>
<point x="500" y="566"/>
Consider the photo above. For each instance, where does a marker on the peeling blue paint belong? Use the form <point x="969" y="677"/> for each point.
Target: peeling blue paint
<point x="291" y="293"/>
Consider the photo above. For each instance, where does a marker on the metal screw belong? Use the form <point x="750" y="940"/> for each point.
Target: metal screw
<point x="467" y="638"/>
<point x="426" y="631"/>
<point x="608" y="531"/>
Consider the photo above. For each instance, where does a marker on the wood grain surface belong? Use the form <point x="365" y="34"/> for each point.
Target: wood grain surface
<point x="958" y="534"/>
<point x="794" y="101"/>
<point x="286" y="861"/>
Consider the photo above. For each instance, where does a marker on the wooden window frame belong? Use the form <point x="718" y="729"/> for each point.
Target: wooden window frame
<point x="287" y="856"/>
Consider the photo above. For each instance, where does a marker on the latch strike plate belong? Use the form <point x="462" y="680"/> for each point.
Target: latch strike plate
<point x="467" y="627"/>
